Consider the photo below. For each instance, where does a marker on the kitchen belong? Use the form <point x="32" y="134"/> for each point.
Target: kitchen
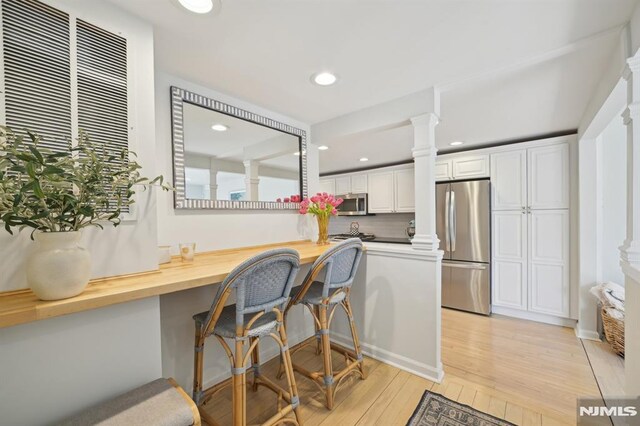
<point x="478" y="197"/>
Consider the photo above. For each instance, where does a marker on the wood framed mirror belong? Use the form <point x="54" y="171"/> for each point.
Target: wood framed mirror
<point x="226" y="157"/>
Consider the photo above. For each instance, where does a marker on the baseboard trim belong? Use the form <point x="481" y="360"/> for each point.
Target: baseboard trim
<point x="533" y="316"/>
<point x="403" y="363"/>
<point x="587" y="334"/>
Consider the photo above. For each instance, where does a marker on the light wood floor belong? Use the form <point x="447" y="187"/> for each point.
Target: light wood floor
<point x="527" y="373"/>
<point x="608" y="368"/>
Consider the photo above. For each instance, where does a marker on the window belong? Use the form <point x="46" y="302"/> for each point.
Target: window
<point x="41" y="90"/>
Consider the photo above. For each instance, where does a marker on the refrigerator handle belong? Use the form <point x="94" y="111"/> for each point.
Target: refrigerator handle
<point x="452" y="220"/>
<point x="447" y="202"/>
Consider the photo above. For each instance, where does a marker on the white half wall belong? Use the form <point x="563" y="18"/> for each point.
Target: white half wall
<point x="396" y="307"/>
<point x="210" y="229"/>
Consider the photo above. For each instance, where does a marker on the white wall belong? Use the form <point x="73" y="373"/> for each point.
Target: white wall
<point x="130" y="247"/>
<point x="212" y="230"/>
<point x="614" y="201"/>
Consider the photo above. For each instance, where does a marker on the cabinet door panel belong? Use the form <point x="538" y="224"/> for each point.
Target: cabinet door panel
<point x="471" y="167"/>
<point x="359" y="184"/>
<point x="443" y="170"/>
<point x="405" y="200"/>
<point x="381" y="195"/>
<point x="343" y="185"/>
<point x="328" y="186"/>
<point x="549" y="177"/>
<point x="510" y="259"/>
<point x="549" y="290"/>
<point x="509" y="180"/>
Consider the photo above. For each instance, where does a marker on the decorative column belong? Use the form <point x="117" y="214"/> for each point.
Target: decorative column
<point x="252" y="179"/>
<point x="424" y="155"/>
<point x="213" y="179"/>
<point x="630" y="249"/>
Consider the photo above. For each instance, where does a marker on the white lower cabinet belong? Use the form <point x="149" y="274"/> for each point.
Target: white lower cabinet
<point x="531" y="261"/>
<point x="549" y="262"/>
<point x="510" y="259"/>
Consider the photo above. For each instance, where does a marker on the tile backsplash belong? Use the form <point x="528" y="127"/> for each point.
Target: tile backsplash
<point x="382" y="225"/>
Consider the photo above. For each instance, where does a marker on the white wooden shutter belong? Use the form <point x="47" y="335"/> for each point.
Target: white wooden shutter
<point x="102" y="86"/>
<point x="37" y="70"/>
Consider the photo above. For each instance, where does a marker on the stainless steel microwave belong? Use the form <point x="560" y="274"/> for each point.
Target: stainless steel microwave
<point x="353" y="205"/>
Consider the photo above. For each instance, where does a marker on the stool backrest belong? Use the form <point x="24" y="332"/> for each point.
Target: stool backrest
<point x="261" y="283"/>
<point x="340" y="264"/>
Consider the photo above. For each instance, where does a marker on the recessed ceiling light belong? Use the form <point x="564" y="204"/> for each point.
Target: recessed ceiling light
<point x="364" y="159"/>
<point x="324" y="79"/>
<point x="456" y="143"/>
<point x="323" y="147"/>
<point x="197" y="6"/>
<point x="296" y="153"/>
<point x="219" y="127"/>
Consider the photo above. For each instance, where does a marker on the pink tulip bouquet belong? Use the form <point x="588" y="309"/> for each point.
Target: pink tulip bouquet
<point x="322" y="206"/>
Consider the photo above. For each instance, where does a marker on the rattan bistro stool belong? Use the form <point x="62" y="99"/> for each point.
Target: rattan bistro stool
<point x="340" y="264"/>
<point x="262" y="286"/>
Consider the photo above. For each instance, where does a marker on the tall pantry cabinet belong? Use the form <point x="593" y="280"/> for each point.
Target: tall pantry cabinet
<point x="531" y="230"/>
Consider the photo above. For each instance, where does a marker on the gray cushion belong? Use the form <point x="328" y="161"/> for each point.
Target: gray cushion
<point x="226" y="325"/>
<point x="314" y="294"/>
<point x="157" y="403"/>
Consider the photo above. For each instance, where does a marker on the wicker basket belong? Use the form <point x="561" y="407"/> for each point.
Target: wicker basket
<point x="614" y="331"/>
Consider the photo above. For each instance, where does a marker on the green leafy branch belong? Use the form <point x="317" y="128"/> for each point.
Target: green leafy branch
<point x="56" y="191"/>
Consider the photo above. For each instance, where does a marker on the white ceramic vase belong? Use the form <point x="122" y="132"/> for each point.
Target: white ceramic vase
<point x="58" y="267"/>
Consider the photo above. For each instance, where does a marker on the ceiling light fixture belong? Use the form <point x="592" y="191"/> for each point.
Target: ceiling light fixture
<point x="456" y="143"/>
<point x="219" y="127"/>
<point x="324" y="79"/>
<point x="197" y="6"/>
<point x="323" y="147"/>
<point x="296" y="153"/>
<point x="364" y="159"/>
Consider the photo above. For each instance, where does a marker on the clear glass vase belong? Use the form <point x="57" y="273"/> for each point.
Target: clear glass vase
<point x="323" y="229"/>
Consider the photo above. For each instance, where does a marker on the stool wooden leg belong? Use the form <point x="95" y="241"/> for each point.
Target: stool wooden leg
<point x="197" y="369"/>
<point x="316" y="310"/>
<point x="255" y="361"/>
<point x="288" y="368"/>
<point x="326" y="354"/>
<point x="354" y="335"/>
<point x="239" y="386"/>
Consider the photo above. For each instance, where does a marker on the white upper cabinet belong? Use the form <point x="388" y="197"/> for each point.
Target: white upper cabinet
<point x="549" y="177"/>
<point x="549" y="262"/>
<point x="328" y="185"/>
<point x="405" y="191"/>
<point x="509" y="180"/>
<point x="444" y="170"/>
<point x="343" y="185"/>
<point x="381" y="192"/>
<point x="359" y="183"/>
<point x="471" y="166"/>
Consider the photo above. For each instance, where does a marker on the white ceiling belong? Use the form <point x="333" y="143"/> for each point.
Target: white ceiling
<point x="265" y="52"/>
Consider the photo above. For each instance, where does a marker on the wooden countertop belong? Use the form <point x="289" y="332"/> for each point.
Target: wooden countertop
<point x="22" y="306"/>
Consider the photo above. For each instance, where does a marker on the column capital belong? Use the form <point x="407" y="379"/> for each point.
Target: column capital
<point x="424" y="151"/>
<point x="426" y="119"/>
<point x="633" y="65"/>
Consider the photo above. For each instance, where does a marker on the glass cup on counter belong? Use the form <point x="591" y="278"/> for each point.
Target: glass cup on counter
<point x="187" y="251"/>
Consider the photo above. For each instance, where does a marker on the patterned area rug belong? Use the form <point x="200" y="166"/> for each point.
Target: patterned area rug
<point x="436" y="410"/>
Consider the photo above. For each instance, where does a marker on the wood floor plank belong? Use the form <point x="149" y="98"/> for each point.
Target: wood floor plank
<point x="481" y="402"/>
<point x="453" y="391"/>
<point x="381" y="404"/>
<point x="467" y="395"/>
<point x="497" y="407"/>
<point x="513" y="413"/>
<point x="531" y="418"/>
<point x="404" y="404"/>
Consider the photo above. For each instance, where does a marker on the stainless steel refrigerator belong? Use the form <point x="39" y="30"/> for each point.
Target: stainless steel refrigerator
<point x="463" y="224"/>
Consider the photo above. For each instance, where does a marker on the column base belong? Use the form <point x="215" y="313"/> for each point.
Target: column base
<point x="425" y="242"/>
<point x="630" y="252"/>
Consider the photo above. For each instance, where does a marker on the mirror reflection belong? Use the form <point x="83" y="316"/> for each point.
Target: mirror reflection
<point x="227" y="158"/>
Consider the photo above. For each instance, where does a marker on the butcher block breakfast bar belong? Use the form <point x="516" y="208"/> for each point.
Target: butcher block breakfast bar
<point x="18" y="307"/>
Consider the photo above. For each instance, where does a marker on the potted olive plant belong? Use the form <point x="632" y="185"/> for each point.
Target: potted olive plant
<point x="58" y="193"/>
